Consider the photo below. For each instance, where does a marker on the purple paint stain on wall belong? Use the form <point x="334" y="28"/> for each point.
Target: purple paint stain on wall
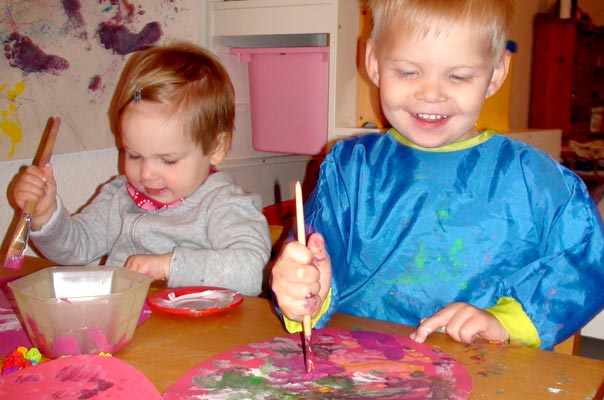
<point x="119" y="39"/>
<point x="22" y="53"/>
<point x="72" y="10"/>
<point x="94" y="83"/>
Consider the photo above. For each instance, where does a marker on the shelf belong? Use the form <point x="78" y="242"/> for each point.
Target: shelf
<point x="280" y="23"/>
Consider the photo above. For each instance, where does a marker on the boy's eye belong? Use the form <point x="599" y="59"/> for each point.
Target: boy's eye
<point x="461" y="78"/>
<point x="169" y="162"/>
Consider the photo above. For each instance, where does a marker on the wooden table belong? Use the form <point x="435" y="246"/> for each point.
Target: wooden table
<point x="167" y="346"/>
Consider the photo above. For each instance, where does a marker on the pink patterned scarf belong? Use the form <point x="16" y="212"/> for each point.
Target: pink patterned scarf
<point x="146" y="203"/>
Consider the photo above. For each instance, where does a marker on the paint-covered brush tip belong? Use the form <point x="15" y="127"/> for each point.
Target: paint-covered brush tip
<point x="309" y="357"/>
<point x="13" y="262"/>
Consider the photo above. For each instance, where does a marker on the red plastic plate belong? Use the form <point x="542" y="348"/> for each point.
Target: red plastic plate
<point x="194" y="300"/>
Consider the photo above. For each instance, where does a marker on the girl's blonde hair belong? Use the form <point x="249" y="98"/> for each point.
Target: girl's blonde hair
<point x="189" y="81"/>
<point x="489" y="19"/>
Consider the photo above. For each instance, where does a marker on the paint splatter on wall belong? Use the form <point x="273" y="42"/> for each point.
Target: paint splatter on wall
<point x="63" y="58"/>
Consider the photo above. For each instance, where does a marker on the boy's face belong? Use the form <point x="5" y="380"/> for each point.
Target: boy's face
<point x="161" y="159"/>
<point x="432" y="88"/>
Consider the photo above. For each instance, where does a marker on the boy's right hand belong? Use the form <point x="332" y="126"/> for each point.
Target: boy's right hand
<point x="38" y="185"/>
<point x="301" y="278"/>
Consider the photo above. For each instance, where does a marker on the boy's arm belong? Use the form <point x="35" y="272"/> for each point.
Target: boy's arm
<point x="519" y="326"/>
<point x="561" y="290"/>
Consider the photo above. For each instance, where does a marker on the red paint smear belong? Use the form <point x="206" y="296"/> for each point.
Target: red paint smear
<point x="125" y="10"/>
<point x="119" y="39"/>
<point x="22" y="53"/>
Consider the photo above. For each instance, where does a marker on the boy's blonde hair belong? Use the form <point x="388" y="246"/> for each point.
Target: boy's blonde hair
<point x="489" y="19"/>
<point x="190" y="82"/>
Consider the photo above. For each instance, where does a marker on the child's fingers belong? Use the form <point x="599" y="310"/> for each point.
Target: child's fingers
<point x="435" y="323"/>
<point x="316" y="244"/>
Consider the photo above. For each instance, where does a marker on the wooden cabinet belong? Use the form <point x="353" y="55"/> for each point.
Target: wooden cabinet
<point x="568" y="78"/>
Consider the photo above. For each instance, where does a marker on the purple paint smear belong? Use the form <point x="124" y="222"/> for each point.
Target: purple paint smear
<point x="22" y="53"/>
<point x="95" y="83"/>
<point x="379" y="341"/>
<point x="119" y="39"/>
<point x="72" y="10"/>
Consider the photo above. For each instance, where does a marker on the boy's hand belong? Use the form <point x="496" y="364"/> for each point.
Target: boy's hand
<point x="463" y="322"/>
<point x="38" y="185"/>
<point x="156" y="266"/>
<point x="301" y="277"/>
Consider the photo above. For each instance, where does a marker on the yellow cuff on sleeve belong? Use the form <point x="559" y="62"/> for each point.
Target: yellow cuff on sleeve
<point x="295" y="326"/>
<point x="510" y="314"/>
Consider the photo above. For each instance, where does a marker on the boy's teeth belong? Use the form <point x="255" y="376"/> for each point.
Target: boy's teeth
<point x="432" y="117"/>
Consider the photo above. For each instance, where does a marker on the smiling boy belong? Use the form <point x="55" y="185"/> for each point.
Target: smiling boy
<point x="435" y="223"/>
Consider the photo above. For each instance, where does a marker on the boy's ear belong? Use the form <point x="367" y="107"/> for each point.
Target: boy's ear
<point x="499" y="74"/>
<point x="371" y="63"/>
<point x="220" y="149"/>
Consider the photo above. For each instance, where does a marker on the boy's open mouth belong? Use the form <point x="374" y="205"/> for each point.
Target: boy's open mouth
<point x="431" y="117"/>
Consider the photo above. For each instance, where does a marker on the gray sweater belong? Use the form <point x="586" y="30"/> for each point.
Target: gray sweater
<point x="218" y="235"/>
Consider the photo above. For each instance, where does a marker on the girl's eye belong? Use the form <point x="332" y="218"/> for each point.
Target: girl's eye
<point x="407" y="74"/>
<point x="133" y="156"/>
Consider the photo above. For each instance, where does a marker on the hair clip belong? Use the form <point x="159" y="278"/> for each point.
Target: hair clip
<point x="138" y="94"/>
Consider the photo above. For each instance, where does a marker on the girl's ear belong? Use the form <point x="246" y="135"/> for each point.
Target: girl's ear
<point x="499" y="74"/>
<point x="371" y="63"/>
<point x="220" y="149"/>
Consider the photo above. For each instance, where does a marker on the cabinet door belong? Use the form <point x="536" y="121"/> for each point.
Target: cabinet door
<point x="552" y="75"/>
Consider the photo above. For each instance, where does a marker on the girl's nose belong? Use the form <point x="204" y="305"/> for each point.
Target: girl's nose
<point x="147" y="171"/>
<point x="430" y="91"/>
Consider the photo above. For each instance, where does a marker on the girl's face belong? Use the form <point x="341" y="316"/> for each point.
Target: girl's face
<point x="161" y="159"/>
<point x="432" y="88"/>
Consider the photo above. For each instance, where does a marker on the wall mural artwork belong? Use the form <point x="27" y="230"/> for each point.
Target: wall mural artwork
<point x="63" y="58"/>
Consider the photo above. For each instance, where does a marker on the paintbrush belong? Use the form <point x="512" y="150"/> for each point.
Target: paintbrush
<point x="309" y="358"/>
<point x="18" y="244"/>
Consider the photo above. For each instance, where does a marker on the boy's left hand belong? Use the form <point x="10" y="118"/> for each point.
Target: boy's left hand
<point x="464" y="323"/>
<point x="156" y="266"/>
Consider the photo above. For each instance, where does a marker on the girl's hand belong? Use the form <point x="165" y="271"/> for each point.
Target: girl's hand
<point x="463" y="322"/>
<point x="38" y="185"/>
<point x="156" y="266"/>
<point x="301" y="277"/>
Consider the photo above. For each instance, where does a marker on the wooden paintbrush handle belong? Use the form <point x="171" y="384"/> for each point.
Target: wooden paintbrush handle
<point x="47" y="143"/>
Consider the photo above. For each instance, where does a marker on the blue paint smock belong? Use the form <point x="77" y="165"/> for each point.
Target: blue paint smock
<point x="411" y="230"/>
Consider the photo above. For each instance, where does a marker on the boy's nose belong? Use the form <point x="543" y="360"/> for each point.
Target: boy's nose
<point x="430" y="91"/>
